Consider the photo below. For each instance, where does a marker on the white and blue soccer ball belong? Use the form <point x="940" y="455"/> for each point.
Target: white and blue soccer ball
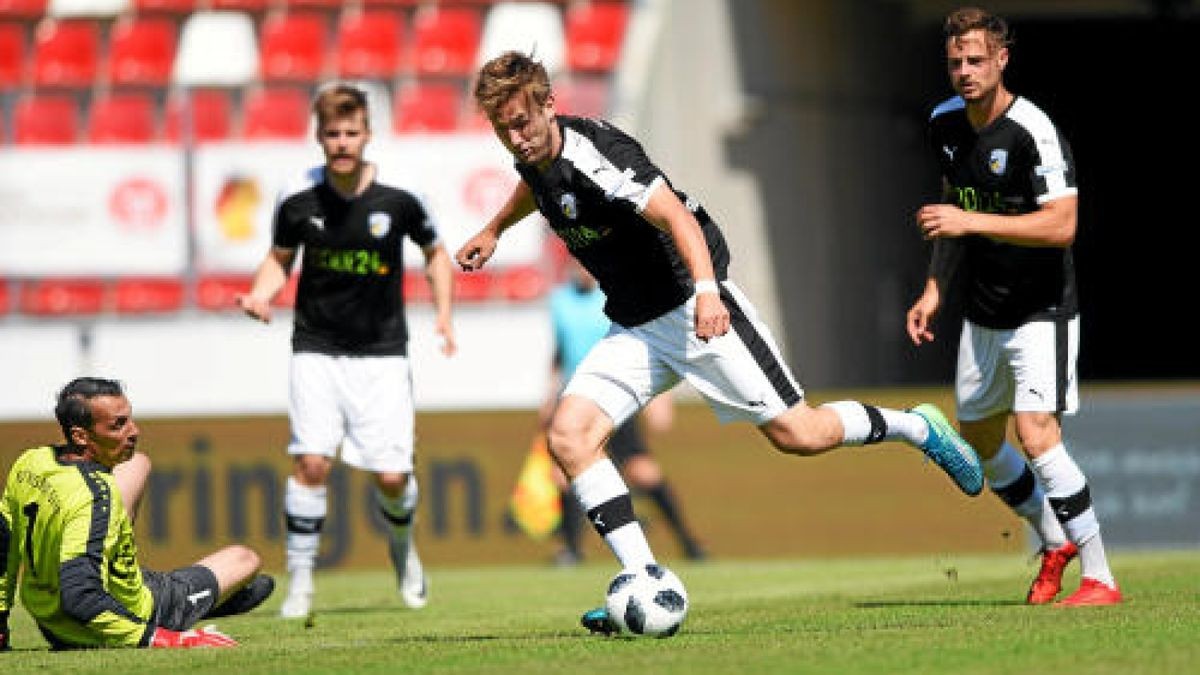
<point x="647" y="601"/>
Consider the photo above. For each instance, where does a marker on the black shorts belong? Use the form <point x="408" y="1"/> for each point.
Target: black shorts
<point x="626" y="442"/>
<point x="182" y="597"/>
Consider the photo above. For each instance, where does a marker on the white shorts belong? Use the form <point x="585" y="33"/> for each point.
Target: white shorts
<point x="1026" y="369"/>
<point x="741" y="374"/>
<point x="362" y="403"/>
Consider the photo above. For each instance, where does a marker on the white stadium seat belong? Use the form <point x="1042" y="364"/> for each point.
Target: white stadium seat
<point x="216" y="49"/>
<point x="527" y="27"/>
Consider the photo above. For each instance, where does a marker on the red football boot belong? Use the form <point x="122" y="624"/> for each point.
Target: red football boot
<point x="1049" y="579"/>
<point x="1092" y="593"/>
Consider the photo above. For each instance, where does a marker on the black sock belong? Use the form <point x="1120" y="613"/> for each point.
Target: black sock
<point x="664" y="498"/>
<point x="572" y="522"/>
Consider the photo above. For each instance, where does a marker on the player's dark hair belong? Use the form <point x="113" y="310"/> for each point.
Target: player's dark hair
<point x="966" y="19"/>
<point x="338" y="101"/>
<point x="508" y="74"/>
<point x="72" y="409"/>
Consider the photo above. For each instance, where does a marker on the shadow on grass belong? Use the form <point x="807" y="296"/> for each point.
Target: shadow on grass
<point x="880" y="604"/>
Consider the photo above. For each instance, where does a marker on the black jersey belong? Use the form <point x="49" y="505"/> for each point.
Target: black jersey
<point x="350" y="299"/>
<point x="593" y="195"/>
<point x="1012" y="166"/>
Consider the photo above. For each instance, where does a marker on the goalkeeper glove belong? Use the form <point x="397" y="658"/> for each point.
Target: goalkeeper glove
<point x="4" y="632"/>
<point x="208" y="636"/>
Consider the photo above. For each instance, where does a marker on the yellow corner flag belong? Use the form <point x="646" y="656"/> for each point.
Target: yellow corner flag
<point x="535" y="504"/>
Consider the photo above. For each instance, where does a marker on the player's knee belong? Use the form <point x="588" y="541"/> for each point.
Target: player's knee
<point x="1037" y="432"/>
<point x="245" y="558"/>
<point x="801" y="431"/>
<point x="312" y="470"/>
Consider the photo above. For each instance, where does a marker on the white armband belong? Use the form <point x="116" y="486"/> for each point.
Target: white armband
<point x="706" y="286"/>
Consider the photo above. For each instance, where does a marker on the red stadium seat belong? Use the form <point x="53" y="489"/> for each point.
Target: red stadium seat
<point x="473" y="286"/>
<point x="594" y="33"/>
<point x="5" y="300"/>
<point x="144" y="7"/>
<point x="582" y="95"/>
<point x="122" y="118"/>
<point x="293" y="47"/>
<point x="142" y="51"/>
<point x="12" y="55"/>
<point x="211" y="116"/>
<point x="46" y="119"/>
<point x="326" y="5"/>
<point x="252" y="6"/>
<point x="523" y="282"/>
<point x="368" y="44"/>
<point x="427" y="107"/>
<point x="276" y="113"/>
<point x="61" y="297"/>
<point x="445" y="40"/>
<point x="65" y="53"/>
<point x="144" y="296"/>
<point x="23" y="9"/>
<point x="219" y="292"/>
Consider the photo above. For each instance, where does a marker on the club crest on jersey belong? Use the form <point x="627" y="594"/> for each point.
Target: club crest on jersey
<point x="379" y="224"/>
<point x="998" y="162"/>
<point x="569" y="207"/>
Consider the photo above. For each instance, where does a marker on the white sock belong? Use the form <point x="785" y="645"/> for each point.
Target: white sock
<point x="1012" y="479"/>
<point x="864" y="424"/>
<point x="605" y="499"/>
<point x="304" y="508"/>
<point x="1067" y="491"/>
<point x="398" y="512"/>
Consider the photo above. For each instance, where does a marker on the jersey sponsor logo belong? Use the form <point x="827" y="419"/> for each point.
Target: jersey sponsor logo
<point x="379" y="224"/>
<point x="998" y="161"/>
<point x="581" y="236"/>
<point x="971" y="199"/>
<point x="353" y="261"/>
<point x="569" y="205"/>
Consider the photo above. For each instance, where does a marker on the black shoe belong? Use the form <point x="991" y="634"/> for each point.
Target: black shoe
<point x="694" y="551"/>
<point x="597" y="621"/>
<point x="246" y="598"/>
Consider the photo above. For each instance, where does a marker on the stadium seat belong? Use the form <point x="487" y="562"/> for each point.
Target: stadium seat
<point x="219" y="292"/>
<point x="324" y="5"/>
<point x="293" y="47"/>
<point x="216" y="49"/>
<point x="144" y="296"/>
<point x="12" y="55"/>
<point x="253" y="6"/>
<point x="525" y="27"/>
<point x="22" y="9"/>
<point x="368" y="44"/>
<point x="582" y="95"/>
<point x="594" y="33"/>
<point x="65" y="53"/>
<point x="177" y="7"/>
<point x="445" y="40"/>
<point x="122" y="118"/>
<point x="473" y="286"/>
<point x="62" y="297"/>
<point x="211" y="115"/>
<point x="276" y="113"/>
<point x="89" y="8"/>
<point x="427" y="107"/>
<point x="5" y="300"/>
<point x="141" y="51"/>
<point x="523" y="282"/>
<point x="46" y="119"/>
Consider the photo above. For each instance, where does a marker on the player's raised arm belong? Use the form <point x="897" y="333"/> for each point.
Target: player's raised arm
<point x="269" y="279"/>
<point x="479" y="248"/>
<point x="666" y="212"/>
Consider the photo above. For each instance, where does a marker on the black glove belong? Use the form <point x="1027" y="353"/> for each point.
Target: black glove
<point x="4" y="632"/>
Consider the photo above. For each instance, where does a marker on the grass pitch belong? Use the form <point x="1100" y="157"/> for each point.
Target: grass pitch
<point x="916" y="614"/>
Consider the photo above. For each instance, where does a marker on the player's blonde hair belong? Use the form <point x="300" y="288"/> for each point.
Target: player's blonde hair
<point x="966" y="19"/>
<point x="507" y="75"/>
<point x="339" y="101"/>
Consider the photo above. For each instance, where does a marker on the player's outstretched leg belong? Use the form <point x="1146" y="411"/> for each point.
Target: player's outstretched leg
<point x="950" y="451"/>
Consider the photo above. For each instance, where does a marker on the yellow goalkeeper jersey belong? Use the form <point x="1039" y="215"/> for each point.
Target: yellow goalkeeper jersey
<point x="65" y="523"/>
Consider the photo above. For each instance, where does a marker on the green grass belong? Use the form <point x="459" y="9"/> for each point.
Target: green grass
<point x="955" y="614"/>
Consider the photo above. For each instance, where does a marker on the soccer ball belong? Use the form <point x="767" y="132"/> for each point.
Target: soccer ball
<point x="647" y="601"/>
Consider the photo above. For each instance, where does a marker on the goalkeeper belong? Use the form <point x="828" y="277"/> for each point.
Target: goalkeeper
<point x="67" y="516"/>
